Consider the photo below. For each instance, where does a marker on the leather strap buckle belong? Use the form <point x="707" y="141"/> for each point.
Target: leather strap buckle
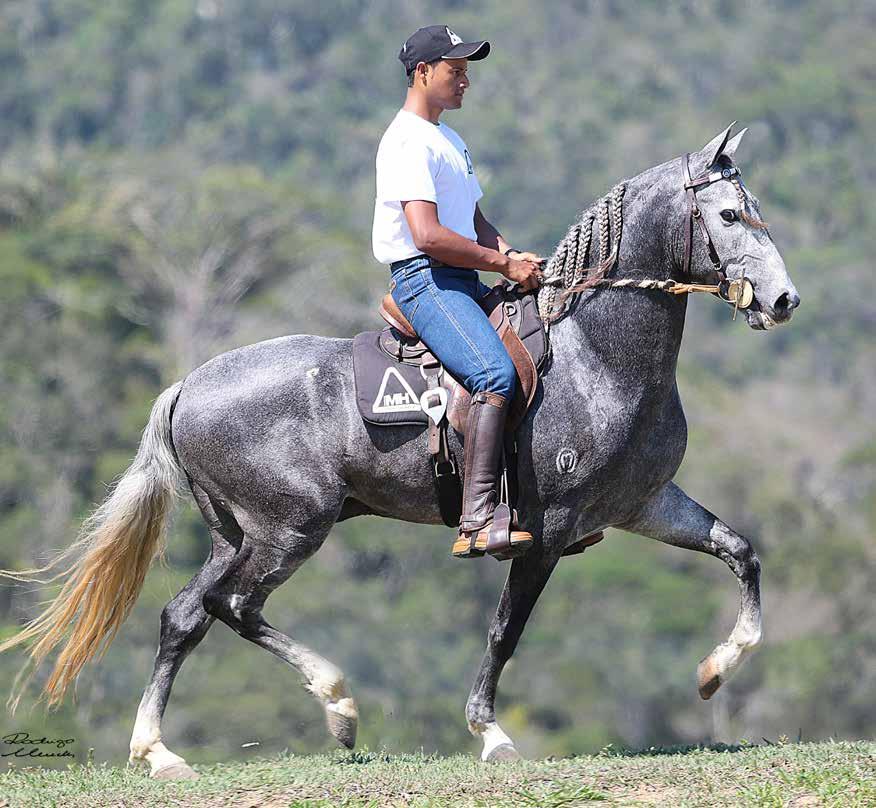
<point x="445" y="468"/>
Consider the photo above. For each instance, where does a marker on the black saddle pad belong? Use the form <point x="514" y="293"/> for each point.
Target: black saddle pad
<point x="387" y="391"/>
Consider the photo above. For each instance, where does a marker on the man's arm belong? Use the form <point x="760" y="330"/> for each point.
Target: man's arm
<point x="487" y="233"/>
<point x="489" y="236"/>
<point x="432" y="238"/>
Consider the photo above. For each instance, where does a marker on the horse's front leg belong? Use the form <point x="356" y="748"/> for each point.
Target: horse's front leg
<point x="526" y="580"/>
<point x="671" y="516"/>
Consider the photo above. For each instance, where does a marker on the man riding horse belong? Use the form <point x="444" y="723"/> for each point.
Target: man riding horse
<point x="429" y="228"/>
<point x="601" y="449"/>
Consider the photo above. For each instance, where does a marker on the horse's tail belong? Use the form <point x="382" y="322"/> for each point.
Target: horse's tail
<point x="121" y="538"/>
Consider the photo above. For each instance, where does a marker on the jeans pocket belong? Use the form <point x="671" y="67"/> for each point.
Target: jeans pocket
<point x="405" y="295"/>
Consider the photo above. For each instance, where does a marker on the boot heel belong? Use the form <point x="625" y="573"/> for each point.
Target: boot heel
<point x="464" y="547"/>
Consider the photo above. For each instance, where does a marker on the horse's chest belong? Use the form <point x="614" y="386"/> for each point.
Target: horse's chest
<point x="610" y="448"/>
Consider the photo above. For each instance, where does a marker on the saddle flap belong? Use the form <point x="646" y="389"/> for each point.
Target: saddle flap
<point x="493" y="304"/>
<point x="519" y="313"/>
<point x="527" y="324"/>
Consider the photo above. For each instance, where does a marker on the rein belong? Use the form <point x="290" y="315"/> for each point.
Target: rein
<point x="566" y="269"/>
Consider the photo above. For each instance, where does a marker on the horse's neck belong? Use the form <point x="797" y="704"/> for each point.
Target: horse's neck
<point x="630" y="333"/>
<point x="633" y="334"/>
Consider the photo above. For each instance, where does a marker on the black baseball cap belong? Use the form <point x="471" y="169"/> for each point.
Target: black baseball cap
<point x="439" y="42"/>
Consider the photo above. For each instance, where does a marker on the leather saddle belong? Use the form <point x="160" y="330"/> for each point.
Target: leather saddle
<point x="514" y="316"/>
<point x="400" y="381"/>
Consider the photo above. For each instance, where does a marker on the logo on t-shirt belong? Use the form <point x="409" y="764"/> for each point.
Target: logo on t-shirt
<point x="468" y="162"/>
<point x="453" y="37"/>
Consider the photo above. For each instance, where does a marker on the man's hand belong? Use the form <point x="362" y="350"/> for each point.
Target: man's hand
<point x="528" y="256"/>
<point x="527" y="272"/>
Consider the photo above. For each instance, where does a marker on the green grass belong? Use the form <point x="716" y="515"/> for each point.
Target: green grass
<point x="828" y="774"/>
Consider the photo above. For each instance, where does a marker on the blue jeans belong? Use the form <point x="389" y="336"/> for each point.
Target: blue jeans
<point x="441" y="304"/>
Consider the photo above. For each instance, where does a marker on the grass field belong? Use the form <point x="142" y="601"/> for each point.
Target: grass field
<point x="829" y="774"/>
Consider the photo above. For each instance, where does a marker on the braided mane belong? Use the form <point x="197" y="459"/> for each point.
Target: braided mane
<point x="567" y="272"/>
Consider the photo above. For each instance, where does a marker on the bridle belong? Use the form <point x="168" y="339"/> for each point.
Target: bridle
<point x="739" y="292"/>
<point x="566" y="268"/>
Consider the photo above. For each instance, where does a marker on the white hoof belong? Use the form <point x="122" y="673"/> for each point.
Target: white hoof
<point x="724" y="661"/>
<point x="498" y="747"/>
<point x="503" y="753"/>
<point x="175" y="771"/>
<point x="163" y="764"/>
<point x="342" y="718"/>
<point x="708" y="679"/>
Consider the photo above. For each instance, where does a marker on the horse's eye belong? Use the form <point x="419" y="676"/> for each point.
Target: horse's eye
<point x="729" y="215"/>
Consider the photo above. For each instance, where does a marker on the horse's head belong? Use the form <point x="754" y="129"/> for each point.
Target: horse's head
<point x="742" y="244"/>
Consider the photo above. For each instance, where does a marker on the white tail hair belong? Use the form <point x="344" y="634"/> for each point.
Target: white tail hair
<point x="120" y="540"/>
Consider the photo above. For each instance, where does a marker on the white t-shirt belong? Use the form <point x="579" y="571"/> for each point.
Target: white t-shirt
<point x="417" y="159"/>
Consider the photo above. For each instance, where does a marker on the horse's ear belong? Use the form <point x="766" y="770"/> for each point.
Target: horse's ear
<point x="710" y="152"/>
<point x="730" y="148"/>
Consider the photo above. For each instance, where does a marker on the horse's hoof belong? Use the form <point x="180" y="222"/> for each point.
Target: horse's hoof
<point x="175" y="771"/>
<point x="708" y="680"/>
<point x="343" y="721"/>
<point x="503" y="753"/>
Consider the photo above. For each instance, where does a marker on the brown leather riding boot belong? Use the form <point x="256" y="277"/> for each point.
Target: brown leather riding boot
<point x="479" y="531"/>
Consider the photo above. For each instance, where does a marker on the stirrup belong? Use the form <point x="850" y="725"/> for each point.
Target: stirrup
<point x="496" y="538"/>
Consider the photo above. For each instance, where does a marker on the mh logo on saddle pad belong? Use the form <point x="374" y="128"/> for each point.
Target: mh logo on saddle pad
<point x="398" y="397"/>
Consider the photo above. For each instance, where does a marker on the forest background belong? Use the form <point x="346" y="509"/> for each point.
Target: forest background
<point x="181" y="177"/>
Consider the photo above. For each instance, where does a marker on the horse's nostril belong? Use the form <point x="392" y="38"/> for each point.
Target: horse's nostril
<point x="786" y="303"/>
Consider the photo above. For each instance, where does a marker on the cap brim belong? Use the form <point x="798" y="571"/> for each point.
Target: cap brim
<point x="468" y="50"/>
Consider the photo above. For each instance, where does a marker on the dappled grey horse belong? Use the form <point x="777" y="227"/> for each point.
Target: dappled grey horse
<point x="275" y="452"/>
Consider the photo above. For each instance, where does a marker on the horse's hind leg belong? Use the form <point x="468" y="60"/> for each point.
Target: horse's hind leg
<point x="237" y="599"/>
<point x="671" y="516"/>
<point x="183" y="625"/>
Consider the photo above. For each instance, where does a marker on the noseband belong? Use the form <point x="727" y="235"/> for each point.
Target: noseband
<point x="739" y="291"/>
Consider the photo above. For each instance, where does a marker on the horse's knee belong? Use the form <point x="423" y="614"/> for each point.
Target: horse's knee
<point x="752" y="563"/>
<point x="736" y="551"/>
<point x="744" y="560"/>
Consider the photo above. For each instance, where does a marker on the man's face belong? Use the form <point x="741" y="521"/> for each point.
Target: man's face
<point x="446" y="82"/>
